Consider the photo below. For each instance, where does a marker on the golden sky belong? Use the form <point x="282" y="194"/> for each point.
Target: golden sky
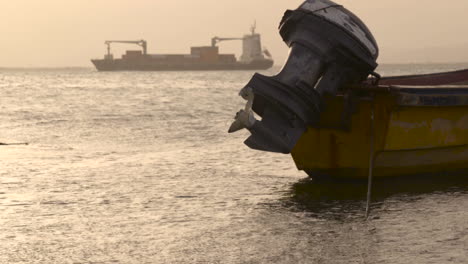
<point x="56" y="33"/>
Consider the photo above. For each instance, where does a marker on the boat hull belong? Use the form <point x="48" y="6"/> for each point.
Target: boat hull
<point x="143" y="65"/>
<point x="416" y="131"/>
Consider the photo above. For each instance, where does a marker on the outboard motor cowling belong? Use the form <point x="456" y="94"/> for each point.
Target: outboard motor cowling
<point x="330" y="48"/>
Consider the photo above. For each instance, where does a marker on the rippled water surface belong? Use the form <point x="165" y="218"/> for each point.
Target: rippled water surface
<point x="137" y="167"/>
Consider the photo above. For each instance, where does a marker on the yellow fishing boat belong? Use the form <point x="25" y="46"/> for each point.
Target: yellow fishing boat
<point x="402" y="129"/>
<point x="336" y="123"/>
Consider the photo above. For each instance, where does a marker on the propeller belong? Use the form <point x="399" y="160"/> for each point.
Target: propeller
<point x="245" y="117"/>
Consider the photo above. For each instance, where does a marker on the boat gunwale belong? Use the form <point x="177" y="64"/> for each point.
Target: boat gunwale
<point x="421" y="95"/>
<point x="413" y="76"/>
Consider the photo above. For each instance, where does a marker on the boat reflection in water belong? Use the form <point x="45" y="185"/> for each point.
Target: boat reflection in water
<point x="345" y="199"/>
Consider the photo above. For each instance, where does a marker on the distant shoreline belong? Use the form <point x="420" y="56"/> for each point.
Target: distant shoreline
<point x="274" y="66"/>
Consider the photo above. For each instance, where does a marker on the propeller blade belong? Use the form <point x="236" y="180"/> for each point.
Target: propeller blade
<point x="244" y="118"/>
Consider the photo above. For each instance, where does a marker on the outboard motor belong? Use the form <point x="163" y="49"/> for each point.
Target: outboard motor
<point x="330" y="48"/>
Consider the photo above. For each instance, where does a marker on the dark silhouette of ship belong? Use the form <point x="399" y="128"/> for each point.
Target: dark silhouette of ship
<point x="203" y="58"/>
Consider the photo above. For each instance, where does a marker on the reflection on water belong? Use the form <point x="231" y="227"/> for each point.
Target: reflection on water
<point x="333" y="199"/>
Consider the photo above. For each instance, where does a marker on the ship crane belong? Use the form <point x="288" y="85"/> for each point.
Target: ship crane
<point x="216" y="40"/>
<point x="141" y="43"/>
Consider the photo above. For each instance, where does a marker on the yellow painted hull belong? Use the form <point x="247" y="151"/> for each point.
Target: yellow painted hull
<point x="409" y="139"/>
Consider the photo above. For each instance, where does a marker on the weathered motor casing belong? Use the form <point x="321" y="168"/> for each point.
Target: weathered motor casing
<point x="330" y="48"/>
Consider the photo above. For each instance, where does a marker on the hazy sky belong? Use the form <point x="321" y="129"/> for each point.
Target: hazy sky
<point x="57" y="33"/>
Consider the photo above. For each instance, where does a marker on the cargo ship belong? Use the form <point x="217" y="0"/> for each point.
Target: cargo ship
<point x="202" y="58"/>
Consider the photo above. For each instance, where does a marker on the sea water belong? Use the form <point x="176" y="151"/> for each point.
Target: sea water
<point x="138" y="167"/>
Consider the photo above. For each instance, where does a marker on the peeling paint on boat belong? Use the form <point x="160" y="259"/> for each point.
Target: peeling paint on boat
<point x="418" y="128"/>
<point x="463" y="123"/>
<point x="327" y="10"/>
<point x="407" y="126"/>
<point x="315" y="5"/>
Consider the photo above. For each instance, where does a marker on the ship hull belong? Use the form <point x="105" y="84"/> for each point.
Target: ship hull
<point x="417" y="130"/>
<point x="123" y="65"/>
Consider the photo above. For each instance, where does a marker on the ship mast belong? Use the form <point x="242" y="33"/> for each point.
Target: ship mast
<point x="253" y="27"/>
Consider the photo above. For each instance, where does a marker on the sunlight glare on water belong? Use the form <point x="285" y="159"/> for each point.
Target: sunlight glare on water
<point x="138" y="167"/>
